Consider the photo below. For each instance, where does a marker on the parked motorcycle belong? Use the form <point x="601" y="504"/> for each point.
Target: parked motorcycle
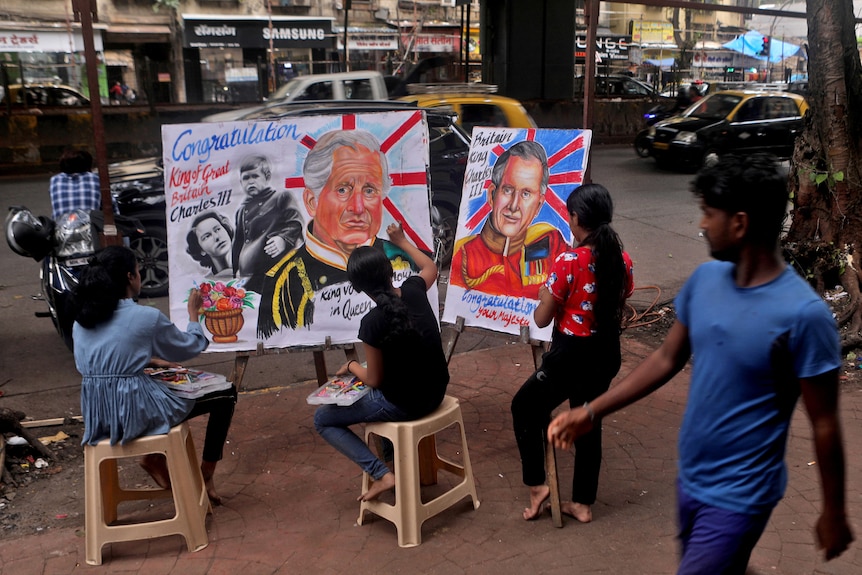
<point x="63" y="248"/>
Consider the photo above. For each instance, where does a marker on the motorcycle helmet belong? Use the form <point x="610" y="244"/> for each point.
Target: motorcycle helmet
<point x="74" y="234"/>
<point x="28" y="235"/>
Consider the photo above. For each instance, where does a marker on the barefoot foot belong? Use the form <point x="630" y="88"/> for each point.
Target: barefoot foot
<point x="156" y="467"/>
<point x="385" y="483"/>
<point x="579" y="511"/>
<point x="207" y="470"/>
<point x="538" y="495"/>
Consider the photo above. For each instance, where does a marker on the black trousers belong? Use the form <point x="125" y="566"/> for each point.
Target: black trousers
<point x="219" y="405"/>
<point x="576" y="369"/>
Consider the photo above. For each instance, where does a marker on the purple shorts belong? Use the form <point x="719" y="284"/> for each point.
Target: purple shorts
<point x="715" y="541"/>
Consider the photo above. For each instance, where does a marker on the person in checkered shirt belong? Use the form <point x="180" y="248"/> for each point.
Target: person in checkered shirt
<point x="76" y="187"/>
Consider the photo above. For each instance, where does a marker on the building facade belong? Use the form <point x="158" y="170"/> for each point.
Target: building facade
<point x="232" y="50"/>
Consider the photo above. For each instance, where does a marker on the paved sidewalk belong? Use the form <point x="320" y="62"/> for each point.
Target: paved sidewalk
<point x="290" y="498"/>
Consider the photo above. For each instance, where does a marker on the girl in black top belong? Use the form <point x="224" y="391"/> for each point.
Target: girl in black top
<point x="406" y="367"/>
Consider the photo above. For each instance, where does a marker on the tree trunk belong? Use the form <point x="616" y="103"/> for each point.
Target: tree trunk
<point x="685" y="43"/>
<point x="826" y="231"/>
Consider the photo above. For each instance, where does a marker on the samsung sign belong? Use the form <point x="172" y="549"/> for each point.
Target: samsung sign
<point x="257" y="33"/>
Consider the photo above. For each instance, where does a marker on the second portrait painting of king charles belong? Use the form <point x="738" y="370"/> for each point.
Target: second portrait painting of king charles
<point x="282" y="210"/>
<point x="512" y="223"/>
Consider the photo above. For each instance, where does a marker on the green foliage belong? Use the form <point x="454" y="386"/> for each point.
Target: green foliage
<point x="818" y="176"/>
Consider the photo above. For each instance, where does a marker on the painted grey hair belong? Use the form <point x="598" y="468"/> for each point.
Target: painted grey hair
<point x="318" y="162"/>
<point x="526" y="150"/>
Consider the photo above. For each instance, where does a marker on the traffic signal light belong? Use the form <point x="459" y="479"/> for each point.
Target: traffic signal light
<point x="764" y="50"/>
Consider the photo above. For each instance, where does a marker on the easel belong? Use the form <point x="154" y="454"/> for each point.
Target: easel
<point x="537" y="348"/>
<point x="241" y="360"/>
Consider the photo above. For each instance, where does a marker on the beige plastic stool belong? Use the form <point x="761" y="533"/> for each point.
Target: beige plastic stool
<point x="103" y="493"/>
<point x="409" y="513"/>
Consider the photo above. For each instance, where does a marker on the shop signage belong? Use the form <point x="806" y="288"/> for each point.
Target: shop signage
<point x="30" y="41"/>
<point x="433" y="42"/>
<point x="257" y="33"/>
<point x="607" y="48"/>
<point x="652" y="32"/>
<point x="713" y="59"/>
<point x="369" y="42"/>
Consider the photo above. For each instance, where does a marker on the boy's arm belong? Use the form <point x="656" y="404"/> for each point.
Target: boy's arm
<point x="820" y="396"/>
<point x="653" y="372"/>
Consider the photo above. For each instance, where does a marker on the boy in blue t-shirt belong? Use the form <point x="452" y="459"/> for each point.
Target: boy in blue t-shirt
<point x="759" y="336"/>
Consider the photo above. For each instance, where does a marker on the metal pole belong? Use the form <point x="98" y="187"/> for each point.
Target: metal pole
<point x="467" y="48"/>
<point x="85" y="11"/>
<point x="464" y="54"/>
<point x="271" y="60"/>
<point x="347" y="6"/>
<point x="591" y="11"/>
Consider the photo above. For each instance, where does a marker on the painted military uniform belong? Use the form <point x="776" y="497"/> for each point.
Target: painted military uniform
<point x="479" y="262"/>
<point x="287" y="298"/>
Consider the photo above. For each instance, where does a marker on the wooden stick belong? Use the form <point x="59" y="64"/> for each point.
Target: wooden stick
<point x="49" y="422"/>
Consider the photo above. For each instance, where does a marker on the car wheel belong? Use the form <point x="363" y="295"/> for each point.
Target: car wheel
<point x="152" y="252"/>
<point x="641" y="146"/>
<point x="443" y="224"/>
<point x="710" y="158"/>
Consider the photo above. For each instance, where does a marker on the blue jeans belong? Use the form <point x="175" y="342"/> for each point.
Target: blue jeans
<point x="716" y="541"/>
<point x="332" y="421"/>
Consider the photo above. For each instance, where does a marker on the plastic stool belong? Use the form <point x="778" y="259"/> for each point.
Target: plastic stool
<point x="409" y="512"/>
<point x="103" y="493"/>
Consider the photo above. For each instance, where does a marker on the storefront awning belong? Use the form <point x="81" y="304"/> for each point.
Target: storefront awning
<point x="137" y="34"/>
<point x="751" y="44"/>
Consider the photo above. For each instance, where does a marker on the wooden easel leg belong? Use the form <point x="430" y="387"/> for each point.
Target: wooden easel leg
<point x="320" y="367"/>
<point x="553" y="484"/>
<point x="538" y="348"/>
<point x="428" y="445"/>
<point x="428" y="460"/>
<point x="238" y="372"/>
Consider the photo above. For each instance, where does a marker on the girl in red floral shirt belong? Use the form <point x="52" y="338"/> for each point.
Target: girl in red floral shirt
<point x="585" y="294"/>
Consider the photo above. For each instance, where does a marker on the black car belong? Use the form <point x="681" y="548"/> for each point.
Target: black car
<point x="139" y="186"/>
<point x="617" y="85"/>
<point x="741" y="122"/>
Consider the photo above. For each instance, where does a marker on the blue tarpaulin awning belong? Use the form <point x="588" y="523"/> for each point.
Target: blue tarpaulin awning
<point x="752" y="42"/>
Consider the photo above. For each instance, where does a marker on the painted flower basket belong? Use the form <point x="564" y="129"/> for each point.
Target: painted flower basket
<point x="222" y="309"/>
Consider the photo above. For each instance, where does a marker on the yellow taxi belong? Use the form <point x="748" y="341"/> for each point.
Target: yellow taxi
<point x="732" y="121"/>
<point x="475" y="104"/>
<point x="44" y="94"/>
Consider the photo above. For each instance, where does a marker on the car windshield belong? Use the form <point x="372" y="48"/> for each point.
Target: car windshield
<point x="715" y="107"/>
<point x="286" y="90"/>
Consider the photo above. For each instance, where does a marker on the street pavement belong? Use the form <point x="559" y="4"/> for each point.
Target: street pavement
<point x="290" y="499"/>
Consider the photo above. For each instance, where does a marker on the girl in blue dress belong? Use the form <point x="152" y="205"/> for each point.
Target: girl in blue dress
<point x="115" y="339"/>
